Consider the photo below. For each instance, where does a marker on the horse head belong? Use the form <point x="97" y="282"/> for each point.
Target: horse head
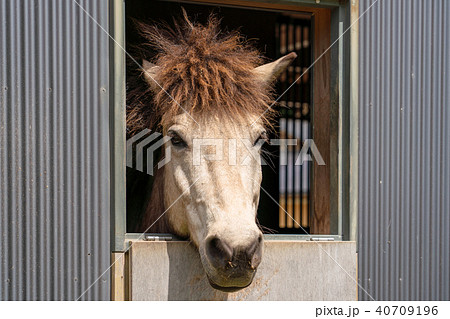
<point x="213" y="99"/>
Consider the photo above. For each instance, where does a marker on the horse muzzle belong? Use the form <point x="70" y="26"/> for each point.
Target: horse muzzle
<point x="231" y="268"/>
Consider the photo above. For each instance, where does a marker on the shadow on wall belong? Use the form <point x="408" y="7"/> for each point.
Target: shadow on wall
<point x="187" y="279"/>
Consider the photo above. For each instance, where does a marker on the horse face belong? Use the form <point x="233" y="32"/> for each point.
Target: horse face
<point x="215" y="172"/>
<point x="212" y="185"/>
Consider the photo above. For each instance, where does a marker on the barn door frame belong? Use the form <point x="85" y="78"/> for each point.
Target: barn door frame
<point x="340" y="94"/>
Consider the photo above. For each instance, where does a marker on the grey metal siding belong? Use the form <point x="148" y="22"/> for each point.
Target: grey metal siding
<point x="54" y="150"/>
<point x="404" y="150"/>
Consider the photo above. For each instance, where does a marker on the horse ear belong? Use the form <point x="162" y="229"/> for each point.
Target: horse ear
<point x="150" y="70"/>
<point x="269" y="72"/>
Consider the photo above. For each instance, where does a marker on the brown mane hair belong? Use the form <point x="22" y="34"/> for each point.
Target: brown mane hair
<point x="204" y="70"/>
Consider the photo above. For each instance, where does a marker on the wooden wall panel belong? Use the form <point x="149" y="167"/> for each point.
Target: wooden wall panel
<point x="320" y="221"/>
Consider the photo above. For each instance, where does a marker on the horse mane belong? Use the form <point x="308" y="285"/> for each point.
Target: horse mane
<point x="154" y="219"/>
<point x="206" y="71"/>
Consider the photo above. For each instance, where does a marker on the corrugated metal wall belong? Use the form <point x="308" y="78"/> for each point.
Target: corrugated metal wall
<point x="54" y="150"/>
<point x="404" y="169"/>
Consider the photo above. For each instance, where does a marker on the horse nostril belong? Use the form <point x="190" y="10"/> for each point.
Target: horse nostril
<point x="221" y="255"/>
<point x="254" y="252"/>
<point x="218" y="251"/>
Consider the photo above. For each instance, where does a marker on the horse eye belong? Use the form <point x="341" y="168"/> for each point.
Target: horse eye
<point x="176" y="140"/>
<point x="263" y="137"/>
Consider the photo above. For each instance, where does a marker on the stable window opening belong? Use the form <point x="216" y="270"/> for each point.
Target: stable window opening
<point x="302" y="200"/>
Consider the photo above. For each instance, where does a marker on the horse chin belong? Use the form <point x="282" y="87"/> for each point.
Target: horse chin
<point x="229" y="282"/>
<point x="228" y="289"/>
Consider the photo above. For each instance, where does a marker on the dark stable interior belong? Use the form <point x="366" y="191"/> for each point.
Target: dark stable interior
<point x="260" y="27"/>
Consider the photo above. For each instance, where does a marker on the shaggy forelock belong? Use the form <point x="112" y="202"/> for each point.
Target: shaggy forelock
<point x="205" y="71"/>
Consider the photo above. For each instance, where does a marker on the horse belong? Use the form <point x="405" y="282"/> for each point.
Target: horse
<point x="207" y="84"/>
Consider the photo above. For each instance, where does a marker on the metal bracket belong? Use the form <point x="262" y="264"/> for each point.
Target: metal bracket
<point x="158" y="238"/>
<point x="321" y="239"/>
